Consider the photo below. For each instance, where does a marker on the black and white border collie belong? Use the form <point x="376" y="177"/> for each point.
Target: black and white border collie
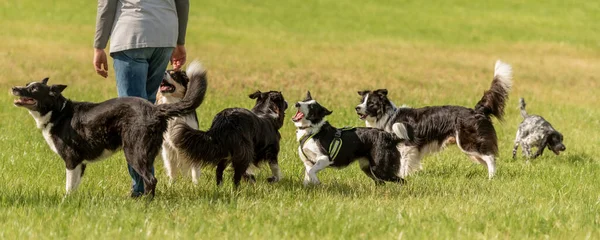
<point x="238" y="136"/>
<point x="84" y="132"/>
<point x="172" y="90"/>
<point x="431" y="128"/>
<point x="375" y="150"/>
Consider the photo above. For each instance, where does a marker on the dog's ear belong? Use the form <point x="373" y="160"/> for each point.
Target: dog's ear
<point x="57" y="88"/>
<point x="308" y="97"/>
<point x="362" y="93"/>
<point x="45" y="80"/>
<point x="382" y="92"/>
<point x="327" y="112"/>
<point x="255" y="95"/>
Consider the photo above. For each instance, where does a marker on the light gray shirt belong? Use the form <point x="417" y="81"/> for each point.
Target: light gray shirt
<point x="134" y="24"/>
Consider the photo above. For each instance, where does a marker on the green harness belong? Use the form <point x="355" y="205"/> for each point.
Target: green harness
<point x="334" y="146"/>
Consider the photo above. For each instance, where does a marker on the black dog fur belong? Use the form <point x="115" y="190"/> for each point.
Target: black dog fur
<point x="238" y="136"/>
<point x="431" y="128"/>
<point x="374" y="149"/>
<point x="83" y="132"/>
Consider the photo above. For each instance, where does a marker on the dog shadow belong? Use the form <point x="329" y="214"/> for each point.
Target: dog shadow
<point x="577" y="158"/>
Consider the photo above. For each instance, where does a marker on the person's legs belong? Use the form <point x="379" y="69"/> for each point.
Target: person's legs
<point x="132" y="71"/>
<point x="157" y="64"/>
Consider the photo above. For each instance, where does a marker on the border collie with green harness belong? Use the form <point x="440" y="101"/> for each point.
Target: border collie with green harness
<point x="322" y="145"/>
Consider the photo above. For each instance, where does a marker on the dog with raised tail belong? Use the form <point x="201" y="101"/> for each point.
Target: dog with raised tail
<point x="322" y="145"/>
<point x="536" y="132"/>
<point x="237" y="136"/>
<point x="85" y="132"/>
<point x="172" y="90"/>
<point x="430" y="129"/>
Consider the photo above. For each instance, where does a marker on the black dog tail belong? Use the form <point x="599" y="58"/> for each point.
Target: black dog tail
<point x="522" y="105"/>
<point x="196" y="144"/>
<point x="494" y="99"/>
<point x="193" y="96"/>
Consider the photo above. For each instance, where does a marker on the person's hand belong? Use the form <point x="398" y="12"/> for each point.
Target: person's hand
<point x="100" y="62"/>
<point x="178" y="57"/>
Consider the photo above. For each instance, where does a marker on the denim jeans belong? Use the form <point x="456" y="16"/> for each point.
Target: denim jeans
<point x="139" y="73"/>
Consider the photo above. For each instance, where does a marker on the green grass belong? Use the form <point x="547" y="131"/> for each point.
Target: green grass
<point x="424" y="52"/>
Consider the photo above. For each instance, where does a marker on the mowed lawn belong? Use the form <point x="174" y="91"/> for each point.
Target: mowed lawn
<point x="424" y="52"/>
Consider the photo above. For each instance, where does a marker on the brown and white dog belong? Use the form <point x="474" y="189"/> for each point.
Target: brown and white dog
<point x="172" y="90"/>
<point x="431" y="128"/>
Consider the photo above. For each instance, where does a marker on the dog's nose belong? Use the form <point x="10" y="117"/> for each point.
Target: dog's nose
<point x="357" y="108"/>
<point x="562" y="148"/>
<point x="297" y="105"/>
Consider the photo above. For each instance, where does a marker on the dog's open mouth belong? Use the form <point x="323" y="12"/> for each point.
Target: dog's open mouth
<point x="166" y="87"/>
<point x="362" y="116"/>
<point x="24" y="101"/>
<point x="299" y="115"/>
<point x="557" y="152"/>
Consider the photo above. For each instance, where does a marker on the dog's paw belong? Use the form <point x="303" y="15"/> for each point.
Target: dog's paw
<point x="311" y="183"/>
<point x="273" y="179"/>
<point x="250" y="178"/>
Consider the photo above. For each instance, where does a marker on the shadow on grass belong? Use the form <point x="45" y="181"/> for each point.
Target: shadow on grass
<point x="575" y="158"/>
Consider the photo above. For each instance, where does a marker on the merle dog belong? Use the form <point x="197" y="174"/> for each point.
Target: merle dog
<point x="322" y="145"/>
<point x="238" y="136"/>
<point x="172" y="89"/>
<point x="431" y="128"/>
<point x="84" y="132"/>
<point x="535" y="131"/>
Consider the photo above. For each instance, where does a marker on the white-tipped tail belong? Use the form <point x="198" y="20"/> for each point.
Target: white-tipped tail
<point x="503" y="72"/>
<point x="194" y="68"/>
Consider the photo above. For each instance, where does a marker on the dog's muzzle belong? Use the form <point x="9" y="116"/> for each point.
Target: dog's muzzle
<point x="361" y="113"/>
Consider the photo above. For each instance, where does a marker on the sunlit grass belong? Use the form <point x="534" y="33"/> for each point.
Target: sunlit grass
<point x="424" y="53"/>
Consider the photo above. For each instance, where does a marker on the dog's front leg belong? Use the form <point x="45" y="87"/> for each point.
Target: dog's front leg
<point x="541" y="147"/>
<point x="73" y="178"/>
<point x="526" y="150"/>
<point x="276" y="172"/>
<point x="307" y="166"/>
<point x="321" y="163"/>
<point x="196" y="172"/>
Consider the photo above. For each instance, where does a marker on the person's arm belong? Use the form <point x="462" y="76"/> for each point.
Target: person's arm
<point x="178" y="57"/>
<point x="105" y="18"/>
<point x="183" y="10"/>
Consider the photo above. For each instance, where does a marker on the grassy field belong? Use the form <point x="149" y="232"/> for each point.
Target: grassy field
<point x="423" y="52"/>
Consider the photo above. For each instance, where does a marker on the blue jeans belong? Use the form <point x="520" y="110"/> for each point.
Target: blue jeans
<point x="139" y="73"/>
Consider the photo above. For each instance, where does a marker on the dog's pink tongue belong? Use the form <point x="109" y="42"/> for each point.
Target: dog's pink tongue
<point x="164" y="88"/>
<point x="299" y="115"/>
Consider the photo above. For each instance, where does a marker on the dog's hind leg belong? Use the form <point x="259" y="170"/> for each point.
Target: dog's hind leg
<point x="491" y="165"/>
<point x="365" y="166"/>
<point x="241" y="161"/>
<point x="219" y="172"/>
<point x="142" y="163"/>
